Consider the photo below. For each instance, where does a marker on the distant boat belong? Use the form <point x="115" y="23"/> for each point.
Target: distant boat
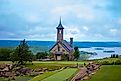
<point x="99" y="48"/>
<point x="110" y="51"/>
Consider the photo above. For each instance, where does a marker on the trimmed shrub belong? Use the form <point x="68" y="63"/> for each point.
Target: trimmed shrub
<point x="117" y="62"/>
<point x="105" y="63"/>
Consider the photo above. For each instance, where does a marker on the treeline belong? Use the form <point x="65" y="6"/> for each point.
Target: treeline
<point x="22" y="53"/>
<point x="10" y="54"/>
<point x="7" y="53"/>
<point x="114" y="56"/>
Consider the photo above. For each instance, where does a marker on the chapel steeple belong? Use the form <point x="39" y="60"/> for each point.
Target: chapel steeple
<point x="60" y="31"/>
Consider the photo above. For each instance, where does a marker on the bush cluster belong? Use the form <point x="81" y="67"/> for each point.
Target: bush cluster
<point x="117" y="62"/>
<point x="114" y="56"/>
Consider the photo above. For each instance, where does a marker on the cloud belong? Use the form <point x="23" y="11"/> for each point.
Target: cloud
<point x="40" y="33"/>
<point x="74" y="31"/>
<point x="82" y="19"/>
<point x="113" y="31"/>
<point x="71" y="31"/>
<point x="99" y="35"/>
<point x="80" y="11"/>
<point x="32" y="18"/>
<point x="62" y="11"/>
<point x="85" y="28"/>
<point x="119" y="21"/>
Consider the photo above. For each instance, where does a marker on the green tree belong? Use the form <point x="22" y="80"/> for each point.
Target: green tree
<point x="76" y="53"/>
<point x="41" y="55"/>
<point x="65" y="57"/>
<point x="22" y="54"/>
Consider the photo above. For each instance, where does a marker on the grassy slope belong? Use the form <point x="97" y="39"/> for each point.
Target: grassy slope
<point x="1" y="79"/>
<point x="19" y="78"/>
<point x="61" y="62"/>
<point x="109" y="59"/>
<point x="6" y="62"/>
<point x="43" y="76"/>
<point x="54" y="64"/>
<point x="61" y="76"/>
<point x="22" y="78"/>
<point x="50" y="64"/>
<point x="107" y="73"/>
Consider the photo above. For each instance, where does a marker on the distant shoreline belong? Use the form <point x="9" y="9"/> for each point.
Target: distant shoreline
<point x="10" y="43"/>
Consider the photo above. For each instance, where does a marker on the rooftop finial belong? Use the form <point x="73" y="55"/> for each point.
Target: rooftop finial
<point x="60" y="20"/>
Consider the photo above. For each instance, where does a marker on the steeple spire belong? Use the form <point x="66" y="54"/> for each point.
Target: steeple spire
<point x="60" y="20"/>
<point x="60" y="24"/>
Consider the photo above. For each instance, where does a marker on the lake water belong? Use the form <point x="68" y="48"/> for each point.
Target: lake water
<point x="101" y="53"/>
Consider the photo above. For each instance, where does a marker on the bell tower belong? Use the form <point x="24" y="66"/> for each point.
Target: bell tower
<point x="60" y="31"/>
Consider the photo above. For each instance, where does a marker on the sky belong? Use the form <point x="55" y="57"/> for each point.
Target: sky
<point x="84" y="20"/>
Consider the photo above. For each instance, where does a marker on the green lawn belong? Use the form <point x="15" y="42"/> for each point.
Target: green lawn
<point x="43" y="76"/>
<point x="109" y="59"/>
<point x="55" y="75"/>
<point x="107" y="73"/>
<point x="54" y="64"/>
<point x="1" y="62"/>
<point x="19" y="78"/>
<point x="22" y="78"/>
<point x="50" y="64"/>
<point x="1" y="79"/>
<point x="62" y="75"/>
<point x="61" y="62"/>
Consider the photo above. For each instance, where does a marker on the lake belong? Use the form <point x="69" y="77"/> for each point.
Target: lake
<point x="102" y="52"/>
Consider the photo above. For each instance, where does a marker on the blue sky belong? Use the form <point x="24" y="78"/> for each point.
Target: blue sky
<point x="84" y="20"/>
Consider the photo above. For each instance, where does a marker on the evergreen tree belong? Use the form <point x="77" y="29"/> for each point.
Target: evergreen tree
<point x="113" y="56"/>
<point x="22" y="54"/>
<point x="41" y="55"/>
<point x="116" y="55"/>
<point x="76" y="53"/>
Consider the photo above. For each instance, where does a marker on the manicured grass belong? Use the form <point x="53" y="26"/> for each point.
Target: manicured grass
<point x="1" y="62"/>
<point x="107" y="73"/>
<point x="22" y="78"/>
<point x="109" y="59"/>
<point x="18" y="78"/>
<point x="50" y="64"/>
<point x="61" y="62"/>
<point x="62" y="75"/>
<point x="54" y="64"/>
<point x="1" y="79"/>
<point x="43" y="76"/>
